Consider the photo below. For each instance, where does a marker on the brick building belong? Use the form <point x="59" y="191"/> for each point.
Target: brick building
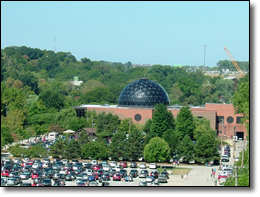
<point x="137" y="101"/>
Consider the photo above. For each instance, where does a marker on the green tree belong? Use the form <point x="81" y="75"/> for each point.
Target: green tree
<point x="157" y="150"/>
<point x="162" y="120"/>
<point x="52" y="99"/>
<point x="117" y="147"/>
<point x="172" y="138"/>
<point x="72" y="150"/>
<point x="134" y="145"/>
<point x="185" y="149"/>
<point x="106" y="124"/>
<point x="185" y="123"/>
<point x="206" y="147"/>
<point x="83" y="138"/>
<point x="94" y="150"/>
<point x="57" y="150"/>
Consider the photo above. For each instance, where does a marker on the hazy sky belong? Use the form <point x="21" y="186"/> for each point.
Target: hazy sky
<point x="155" y="32"/>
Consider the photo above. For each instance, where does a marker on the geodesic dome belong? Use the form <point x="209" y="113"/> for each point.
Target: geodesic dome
<point x="143" y="93"/>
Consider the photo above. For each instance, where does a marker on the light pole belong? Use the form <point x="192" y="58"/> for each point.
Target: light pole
<point x="205" y="46"/>
<point x="92" y="127"/>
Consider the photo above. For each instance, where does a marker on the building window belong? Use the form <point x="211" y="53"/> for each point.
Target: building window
<point x="80" y="113"/>
<point x="220" y="119"/>
<point x="239" y="119"/>
<point x="199" y="117"/>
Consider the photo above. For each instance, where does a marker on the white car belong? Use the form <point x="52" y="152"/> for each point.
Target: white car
<point x="89" y="171"/>
<point x="113" y="164"/>
<point x="94" y="162"/>
<point x="152" y="166"/>
<point x="106" y="167"/>
<point x="142" y="165"/>
<point x="117" y="168"/>
<point x="222" y="180"/>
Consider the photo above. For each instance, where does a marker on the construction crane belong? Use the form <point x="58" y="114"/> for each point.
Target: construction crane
<point x="234" y="62"/>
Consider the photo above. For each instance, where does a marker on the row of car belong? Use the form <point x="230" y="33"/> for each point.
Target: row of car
<point x="43" y="171"/>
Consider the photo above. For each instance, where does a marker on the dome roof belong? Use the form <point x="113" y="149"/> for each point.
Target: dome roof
<point x="143" y="93"/>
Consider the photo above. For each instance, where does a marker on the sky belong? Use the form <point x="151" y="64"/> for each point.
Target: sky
<point x="155" y="32"/>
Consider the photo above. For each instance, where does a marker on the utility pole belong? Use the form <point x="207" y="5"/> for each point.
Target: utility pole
<point x="234" y="140"/>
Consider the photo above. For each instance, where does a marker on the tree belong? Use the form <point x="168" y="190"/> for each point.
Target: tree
<point x="185" y="149"/>
<point x="157" y="150"/>
<point x="162" y="120"/>
<point x="117" y="147"/>
<point x="94" y="150"/>
<point x="72" y="150"/>
<point x="134" y="145"/>
<point x="106" y="124"/>
<point x="206" y="147"/>
<point x="52" y="99"/>
<point x="185" y="124"/>
<point x="57" y="150"/>
<point x="83" y="138"/>
<point x="99" y="95"/>
<point x="172" y="138"/>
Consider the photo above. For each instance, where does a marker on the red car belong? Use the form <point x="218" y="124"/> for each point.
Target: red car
<point x="95" y="174"/>
<point x="96" y="167"/>
<point x="5" y="173"/>
<point x="35" y="175"/>
<point x="116" y="177"/>
<point x="123" y="163"/>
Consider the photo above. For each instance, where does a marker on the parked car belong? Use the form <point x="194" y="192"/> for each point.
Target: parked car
<point x="94" y="162"/>
<point x="47" y="182"/>
<point x="155" y="184"/>
<point x="74" y="161"/>
<point x="81" y="183"/>
<point x="25" y="176"/>
<point x="12" y="181"/>
<point x="106" y="167"/>
<point x="117" y="177"/>
<point x="152" y="166"/>
<point x="165" y="173"/>
<point x="149" y="179"/>
<point x="142" y="165"/>
<point x="134" y="173"/>
<point x="113" y="164"/>
<point x="123" y="163"/>
<point x="64" y="161"/>
<point x="96" y="167"/>
<point x="154" y="173"/>
<point x="123" y="173"/>
<point x="5" y="173"/>
<point x="143" y="174"/>
<point x="93" y="183"/>
<point x="133" y="165"/>
<point x="111" y="172"/>
<point x="142" y="183"/>
<point x="162" y="178"/>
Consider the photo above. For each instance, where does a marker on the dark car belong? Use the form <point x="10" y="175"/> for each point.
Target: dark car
<point x="47" y="182"/>
<point x="74" y="161"/>
<point x="165" y="173"/>
<point x="134" y="173"/>
<point x="111" y="172"/>
<point x="133" y="165"/>
<point x="104" y="178"/>
<point x="154" y="174"/>
<point x="69" y="177"/>
<point x="142" y="183"/>
<point x="123" y="173"/>
<point x="26" y="184"/>
<point x="88" y="166"/>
